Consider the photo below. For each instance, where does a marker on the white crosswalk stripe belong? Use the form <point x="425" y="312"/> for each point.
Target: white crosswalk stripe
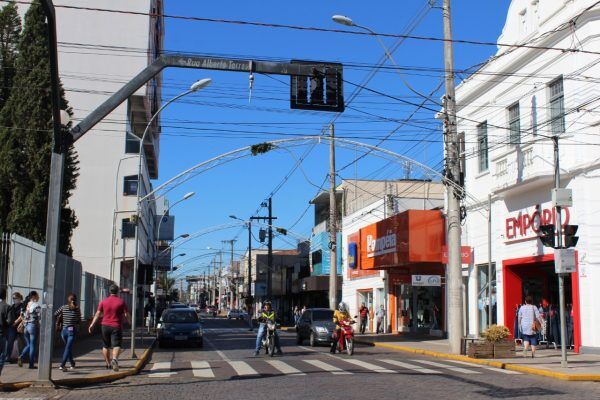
<point x="328" y="367"/>
<point x="161" y="370"/>
<point x="369" y="366"/>
<point x="202" y="369"/>
<point x="242" y="368"/>
<point x="503" y="371"/>
<point x="411" y="367"/>
<point x="285" y="368"/>
<point x="445" y="366"/>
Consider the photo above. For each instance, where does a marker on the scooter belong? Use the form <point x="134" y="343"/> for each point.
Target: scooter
<point x="345" y="341"/>
<point x="268" y="341"/>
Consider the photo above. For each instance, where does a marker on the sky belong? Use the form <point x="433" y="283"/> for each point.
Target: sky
<point x="223" y="117"/>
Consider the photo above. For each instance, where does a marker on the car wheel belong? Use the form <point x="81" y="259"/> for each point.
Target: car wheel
<point x="312" y="340"/>
<point x="299" y="339"/>
<point x="201" y="343"/>
<point x="161" y="344"/>
<point x="228" y="317"/>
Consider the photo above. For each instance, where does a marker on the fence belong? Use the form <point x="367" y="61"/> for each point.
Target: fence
<point x="22" y="270"/>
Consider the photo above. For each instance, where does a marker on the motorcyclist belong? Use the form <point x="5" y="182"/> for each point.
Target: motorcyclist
<point x="341" y="314"/>
<point x="267" y="314"/>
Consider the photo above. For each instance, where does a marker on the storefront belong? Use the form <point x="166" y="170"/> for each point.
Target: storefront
<point x="405" y="250"/>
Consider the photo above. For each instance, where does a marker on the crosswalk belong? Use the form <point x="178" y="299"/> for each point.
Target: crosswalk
<point x="229" y="369"/>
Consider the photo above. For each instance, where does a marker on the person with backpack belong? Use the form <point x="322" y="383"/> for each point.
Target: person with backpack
<point x="67" y="321"/>
<point x="14" y="319"/>
<point x="3" y="328"/>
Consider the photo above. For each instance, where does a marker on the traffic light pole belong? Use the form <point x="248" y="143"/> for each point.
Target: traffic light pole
<point x="561" y="276"/>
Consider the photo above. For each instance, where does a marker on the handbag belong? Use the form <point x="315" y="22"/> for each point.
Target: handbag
<point x="21" y="327"/>
<point x="536" y="326"/>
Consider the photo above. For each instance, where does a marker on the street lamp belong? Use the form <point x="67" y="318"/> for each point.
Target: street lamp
<point x="202" y="83"/>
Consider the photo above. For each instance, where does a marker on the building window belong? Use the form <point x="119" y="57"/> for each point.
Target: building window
<point x="127" y="228"/>
<point x="482" y="146"/>
<point x="501" y="168"/>
<point x="557" y="106"/>
<point x="132" y="143"/>
<point x="514" y="124"/>
<point x="483" y="299"/>
<point x="528" y="157"/>
<point x="130" y="184"/>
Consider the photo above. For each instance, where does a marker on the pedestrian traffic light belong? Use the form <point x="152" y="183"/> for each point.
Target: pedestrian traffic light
<point x="570" y="238"/>
<point x="547" y="235"/>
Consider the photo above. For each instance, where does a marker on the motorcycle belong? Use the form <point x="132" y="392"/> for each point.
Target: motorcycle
<point x="345" y="340"/>
<point x="268" y="340"/>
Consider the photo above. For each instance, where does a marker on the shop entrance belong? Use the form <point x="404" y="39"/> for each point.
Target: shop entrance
<point x="539" y="280"/>
<point x="418" y="308"/>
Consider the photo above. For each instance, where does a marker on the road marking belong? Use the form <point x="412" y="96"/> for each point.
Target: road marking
<point x="285" y="368"/>
<point x="213" y="348"/>
<point x="504" y="371"/>
<point x="163" y="367"/>
<point x="327" y="367"/>
<point x="369" y="366"/>
<point x="202" y="369"/>
<point x="411" y="367"/>
<point x="242" y="368"/>
<point x="451" y="368"/>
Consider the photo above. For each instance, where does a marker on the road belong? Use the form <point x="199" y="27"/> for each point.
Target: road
<point x="226" y="368"/>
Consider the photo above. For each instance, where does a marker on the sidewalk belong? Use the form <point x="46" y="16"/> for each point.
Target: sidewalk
<point x="90" y="365"/>
<point x="581" y="367"/>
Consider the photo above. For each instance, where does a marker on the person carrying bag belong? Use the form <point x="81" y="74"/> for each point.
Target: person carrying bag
<point x="67" y="323"/>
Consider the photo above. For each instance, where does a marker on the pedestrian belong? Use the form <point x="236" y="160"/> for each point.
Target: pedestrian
<point x="297" y="315"/>
<point x="113" y="311"/>
<point x="364" y="317"/>
<point x="14" y="319"/>
<point x="67" y="319"/>
<point x="380" y="316"/>
<point x="530" y="323"/>
<point x="4" y="307"/>
<point x="30" y="319"/>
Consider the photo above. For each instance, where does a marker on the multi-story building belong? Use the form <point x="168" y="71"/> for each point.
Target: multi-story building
<point x="99" y="52"/>
<point x="509" y="111"/>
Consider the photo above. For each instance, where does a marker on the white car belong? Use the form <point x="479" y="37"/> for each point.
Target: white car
<point x="236" y="314"/>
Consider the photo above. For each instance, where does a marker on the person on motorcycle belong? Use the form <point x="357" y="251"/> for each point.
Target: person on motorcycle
<point x="341" y="314"/>
<point x="266" y="315"/>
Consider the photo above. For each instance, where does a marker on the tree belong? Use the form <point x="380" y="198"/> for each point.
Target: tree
<point x="25" y="156"/>
<point x="10" y="34"/>
<point x="166" y="283"/>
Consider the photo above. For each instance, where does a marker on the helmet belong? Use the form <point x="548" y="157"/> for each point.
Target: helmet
<point x="342" y="307"/>
<point x="266" y="303"/>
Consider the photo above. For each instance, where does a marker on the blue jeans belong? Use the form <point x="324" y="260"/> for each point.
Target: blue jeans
<point x="68" y="334"/>
<point x="3" y="351"/>
<point x="10" y="341"/>
<point x="31" y="336"/>
<point x="262" y="330"/>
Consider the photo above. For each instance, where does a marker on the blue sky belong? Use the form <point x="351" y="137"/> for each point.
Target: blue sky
<point x="221" y="118"/>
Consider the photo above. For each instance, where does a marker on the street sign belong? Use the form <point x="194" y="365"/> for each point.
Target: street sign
<point x="564" y="261"/>
<point x="426" y="280"/>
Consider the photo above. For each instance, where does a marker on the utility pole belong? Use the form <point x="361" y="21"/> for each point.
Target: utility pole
<point x="454" y="266"/>
<point x="232" y="281"/>
<point x="270" y="252"/>
<point x="220" y="280"/>
<point x="332" y="224"/>
<point x="561" y="276"/>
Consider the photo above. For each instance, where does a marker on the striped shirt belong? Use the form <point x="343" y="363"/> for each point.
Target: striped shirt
<point x="70" y="317"/>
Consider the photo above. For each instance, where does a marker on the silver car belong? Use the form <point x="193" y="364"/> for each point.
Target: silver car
<point x="234" y="313"/>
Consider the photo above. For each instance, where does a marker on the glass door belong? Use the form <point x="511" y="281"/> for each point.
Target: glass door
<point x="404" y="310"/>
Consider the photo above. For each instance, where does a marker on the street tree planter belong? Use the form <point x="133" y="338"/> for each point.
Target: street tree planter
<point x="495" y="345"/>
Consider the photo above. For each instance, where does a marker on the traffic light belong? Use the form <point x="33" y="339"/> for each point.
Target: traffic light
<point x="547" y="235"/>
<point x="321" y="91"/>
<point x="262" y="234"/>
<point x="570" y="238"/>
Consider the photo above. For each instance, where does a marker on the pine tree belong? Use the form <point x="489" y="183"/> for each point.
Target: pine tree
<point x="10" y="33"/>
<point x="25" y="158"/>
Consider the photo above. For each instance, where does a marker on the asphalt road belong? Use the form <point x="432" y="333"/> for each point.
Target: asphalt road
<point x="226" y="368"/>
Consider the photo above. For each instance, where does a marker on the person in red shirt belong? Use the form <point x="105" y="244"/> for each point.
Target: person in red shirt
<point x="364" y="317"/>
<point x="113" y="311"/>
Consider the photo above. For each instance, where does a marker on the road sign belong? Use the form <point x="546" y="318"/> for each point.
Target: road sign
<point x="564" y="261"/>
<point x="426" y="280"/>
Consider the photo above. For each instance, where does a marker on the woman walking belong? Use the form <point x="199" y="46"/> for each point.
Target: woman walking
<point x="14" y="319"/>
<point x="529" y="322"/>
<point x="68" y="318"/>
<point x="31" y="319"/>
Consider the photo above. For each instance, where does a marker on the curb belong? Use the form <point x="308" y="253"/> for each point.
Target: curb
<point x="105" y="378"/>
<point x="495" y="364"/>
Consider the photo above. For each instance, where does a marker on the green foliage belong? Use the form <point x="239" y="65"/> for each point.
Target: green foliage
<point x="496" y="333"/>
<point x="27" y="141"/>
<point x="10" y="35"/>
<point x="261" y="148"/>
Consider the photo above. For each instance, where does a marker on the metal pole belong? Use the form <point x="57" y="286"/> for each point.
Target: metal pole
<point x="489" y="280"/>
<point x="453" y="269"/>
<point x="561" y="277"/>
<point x="221" y="280"/>
<point x="332" y="224"/>
<point x="249" y="301"/>
<point x="57" y="161"/>
<point x="270" y="252"/>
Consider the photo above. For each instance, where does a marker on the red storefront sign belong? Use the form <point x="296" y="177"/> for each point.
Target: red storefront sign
<point x="526" y="223"/>
<point x="466" y="255"/>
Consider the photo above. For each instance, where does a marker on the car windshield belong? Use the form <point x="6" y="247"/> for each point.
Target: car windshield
<point x="185" y="317"/>
<point x="322" y="315"/>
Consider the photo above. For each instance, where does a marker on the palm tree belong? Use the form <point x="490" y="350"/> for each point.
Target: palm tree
<point x="166" y="283"/>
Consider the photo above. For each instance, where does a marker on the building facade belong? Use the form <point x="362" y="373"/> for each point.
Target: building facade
<point x="509" y="111"/>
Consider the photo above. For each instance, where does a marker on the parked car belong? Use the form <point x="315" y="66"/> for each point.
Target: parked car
<point x="234" y="313"/>
<point x="195" y="307"/>
<point x="211" y="310"/>
<point x="177" y="305"/>
<point x="316" y="325"/>
<point x="181" y="326"/>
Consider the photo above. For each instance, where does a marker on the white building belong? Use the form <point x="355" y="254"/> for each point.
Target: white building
<point x="99" y="52"/>
<point x="508" y="110"/>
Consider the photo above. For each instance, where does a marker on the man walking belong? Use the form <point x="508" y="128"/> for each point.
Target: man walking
<point x="112" y="310"/>
<point x="4" y="307"/>
<point x="364" y="317"/>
